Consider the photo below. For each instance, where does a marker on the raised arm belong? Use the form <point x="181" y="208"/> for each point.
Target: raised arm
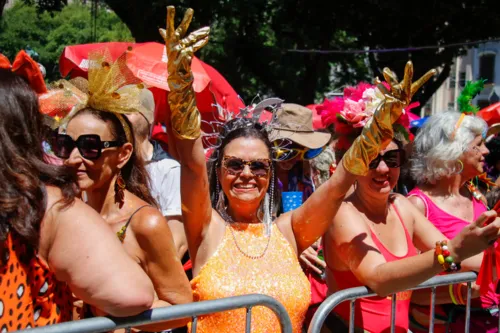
<point x="81" y="250"/>
<point x="185" y="125"/>
<point x="355" y="247"/>
<point x="311" y="220"/>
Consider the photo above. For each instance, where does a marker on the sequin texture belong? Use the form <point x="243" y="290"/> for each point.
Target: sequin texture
<point x="229" y="272"/>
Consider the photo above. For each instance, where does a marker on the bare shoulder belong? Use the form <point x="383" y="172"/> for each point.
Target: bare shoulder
<point x="348" y="221"/>
<point x="418" y="203"/>
<point x="148" y="221"/>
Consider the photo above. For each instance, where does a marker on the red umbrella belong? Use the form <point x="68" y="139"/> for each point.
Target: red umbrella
<point x="148" y="61"/>
<point x="491" y="114"/>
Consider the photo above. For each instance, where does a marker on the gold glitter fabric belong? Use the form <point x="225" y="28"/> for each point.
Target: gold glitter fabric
<point x="110" y="87"/>
<point x="273" y="271"/>
<point x="378" y="132"/>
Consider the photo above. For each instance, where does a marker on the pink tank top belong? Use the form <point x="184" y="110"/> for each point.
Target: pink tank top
<point x="450" y="226"/>
<point x="374" y="314"/>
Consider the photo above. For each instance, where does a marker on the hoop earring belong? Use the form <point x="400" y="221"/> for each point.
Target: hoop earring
<point x="461" y="166"/>
<point x="119" y="187"/>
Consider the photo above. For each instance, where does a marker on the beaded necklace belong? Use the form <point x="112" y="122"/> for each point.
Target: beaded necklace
<point x="228" y="219"/>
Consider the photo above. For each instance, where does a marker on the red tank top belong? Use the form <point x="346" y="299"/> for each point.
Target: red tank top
<point x="374" y="314"/>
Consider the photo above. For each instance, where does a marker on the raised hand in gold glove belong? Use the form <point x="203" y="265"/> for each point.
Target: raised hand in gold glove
<point x="185" y="117"/>
<point x="378" y="131"/>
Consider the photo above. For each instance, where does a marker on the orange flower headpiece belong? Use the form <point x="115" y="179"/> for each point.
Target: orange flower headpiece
<point x="27" y="68"/>
<point x="111" y="87"/>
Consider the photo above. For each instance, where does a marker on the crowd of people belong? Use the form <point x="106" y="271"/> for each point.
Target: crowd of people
<point x="99" y="219"/>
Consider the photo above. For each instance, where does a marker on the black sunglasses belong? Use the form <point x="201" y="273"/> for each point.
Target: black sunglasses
<point x="235" y="165"/>
<point x="90" y="146"/>
<point x="392" y="158"/>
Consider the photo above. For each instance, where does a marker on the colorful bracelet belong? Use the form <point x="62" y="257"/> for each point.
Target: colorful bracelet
<point x="452" y="294"/>
<point x="459" y="293"/>
<point x="444" y="257"/>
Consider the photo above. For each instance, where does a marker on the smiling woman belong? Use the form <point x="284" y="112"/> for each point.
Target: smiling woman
<point x="96" y="141"/>
<point x="236" y="245"/>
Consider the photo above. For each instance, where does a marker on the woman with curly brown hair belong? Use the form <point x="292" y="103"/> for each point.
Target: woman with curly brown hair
<point x="52" y="242"/>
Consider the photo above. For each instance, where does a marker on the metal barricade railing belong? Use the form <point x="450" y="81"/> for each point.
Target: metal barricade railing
<point x="353" y="294"/>
<point x="191" y="310"/>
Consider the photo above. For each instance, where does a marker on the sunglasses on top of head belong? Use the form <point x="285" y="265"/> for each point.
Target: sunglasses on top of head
<point x="392" y="158"/>
<point x="235" y="165"/>
<point x="288" y="152"/>
<point x="90" y="146"/>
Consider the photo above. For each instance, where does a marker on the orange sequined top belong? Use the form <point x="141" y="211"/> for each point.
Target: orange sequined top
<point x="30" y="295"/>
<point x="248" y="261"/>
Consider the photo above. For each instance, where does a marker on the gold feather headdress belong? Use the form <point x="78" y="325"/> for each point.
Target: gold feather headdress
<point x="111" y="87"/>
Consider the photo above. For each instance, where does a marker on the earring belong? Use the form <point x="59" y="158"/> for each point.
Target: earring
<point x="461" y="166"/>
<point x="220" y="206"/>
<point x="119" y="187"/>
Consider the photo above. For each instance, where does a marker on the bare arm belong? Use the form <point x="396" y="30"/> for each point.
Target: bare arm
<point x="82" y="251"/>
<point x="162" y="264"/>
<point x="311" y="220"/>
<point x="195" y="195"/>
<point x="177" y="228"/>
<point x="352" y="239"/>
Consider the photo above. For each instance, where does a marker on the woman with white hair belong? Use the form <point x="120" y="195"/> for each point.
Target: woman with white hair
<point x="449" y="151"/>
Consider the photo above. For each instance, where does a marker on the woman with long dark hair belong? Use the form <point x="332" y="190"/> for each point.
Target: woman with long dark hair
<point x="96" y="140"/>
<point x="52" y="244"/>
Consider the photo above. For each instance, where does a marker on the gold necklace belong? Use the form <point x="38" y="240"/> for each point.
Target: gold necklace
<point x="228" y="219"/>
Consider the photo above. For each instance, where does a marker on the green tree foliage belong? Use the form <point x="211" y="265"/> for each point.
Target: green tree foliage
<point x="251" y="39"/>
<point x="48" y="33"/>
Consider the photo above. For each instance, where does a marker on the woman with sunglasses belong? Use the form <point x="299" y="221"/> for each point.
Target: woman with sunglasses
<point x="51" y="243"/>
<point x="292" y="131"/>
<point x="235" y="246"/>
<point x="97" y="142"/>
<point x="449" y="153"/>
<point x="379" y="247"/>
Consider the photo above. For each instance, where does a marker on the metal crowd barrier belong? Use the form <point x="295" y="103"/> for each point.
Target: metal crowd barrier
<point x="353" y="294"/>
<point x="103" y="324"/>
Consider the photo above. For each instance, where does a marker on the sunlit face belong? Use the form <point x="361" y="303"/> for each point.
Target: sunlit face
<point x="382" y="179"/>
<point x="244" y="188"/>
<point x="473" y="158"/>
<point x="94" y="174"/>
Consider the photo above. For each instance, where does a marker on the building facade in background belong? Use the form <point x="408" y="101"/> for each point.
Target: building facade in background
<point x="482" y="62"/>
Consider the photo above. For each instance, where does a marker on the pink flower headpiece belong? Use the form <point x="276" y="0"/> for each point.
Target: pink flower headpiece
<point x="350" y="113"/>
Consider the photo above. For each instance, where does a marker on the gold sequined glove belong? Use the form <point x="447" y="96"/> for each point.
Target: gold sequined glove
<point x="185" y="117"/>
<point x="378" y="132"/>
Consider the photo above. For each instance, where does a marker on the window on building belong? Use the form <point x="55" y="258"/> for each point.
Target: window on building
<point x="453" y="78"/>
<point x="461" y="79"/>
<point x="487" y="67"/>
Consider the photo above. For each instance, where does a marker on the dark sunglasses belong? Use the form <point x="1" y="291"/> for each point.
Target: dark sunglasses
<point x="90" y="146"/>
<point x="235" y="165"/>
<point x="392" y="158"/>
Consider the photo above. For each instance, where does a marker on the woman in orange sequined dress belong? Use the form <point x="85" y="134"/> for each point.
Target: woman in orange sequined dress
<point x="51" y="242"/>
<point x="235" y="245"/>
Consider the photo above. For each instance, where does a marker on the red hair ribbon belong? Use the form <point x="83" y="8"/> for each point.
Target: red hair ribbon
<point x="27" y="68"/>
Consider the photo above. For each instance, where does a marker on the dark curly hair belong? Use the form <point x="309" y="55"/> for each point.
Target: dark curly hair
<point x="23" y="172"/>
<point x="134" y="172"/>
<point x="241" y="128"/>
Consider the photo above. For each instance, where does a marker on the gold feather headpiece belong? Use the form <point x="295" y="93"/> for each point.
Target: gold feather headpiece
<point x="111" y="87"/>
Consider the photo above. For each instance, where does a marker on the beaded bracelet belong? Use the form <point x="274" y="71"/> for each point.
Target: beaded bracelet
<point x="444" y="257"/>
